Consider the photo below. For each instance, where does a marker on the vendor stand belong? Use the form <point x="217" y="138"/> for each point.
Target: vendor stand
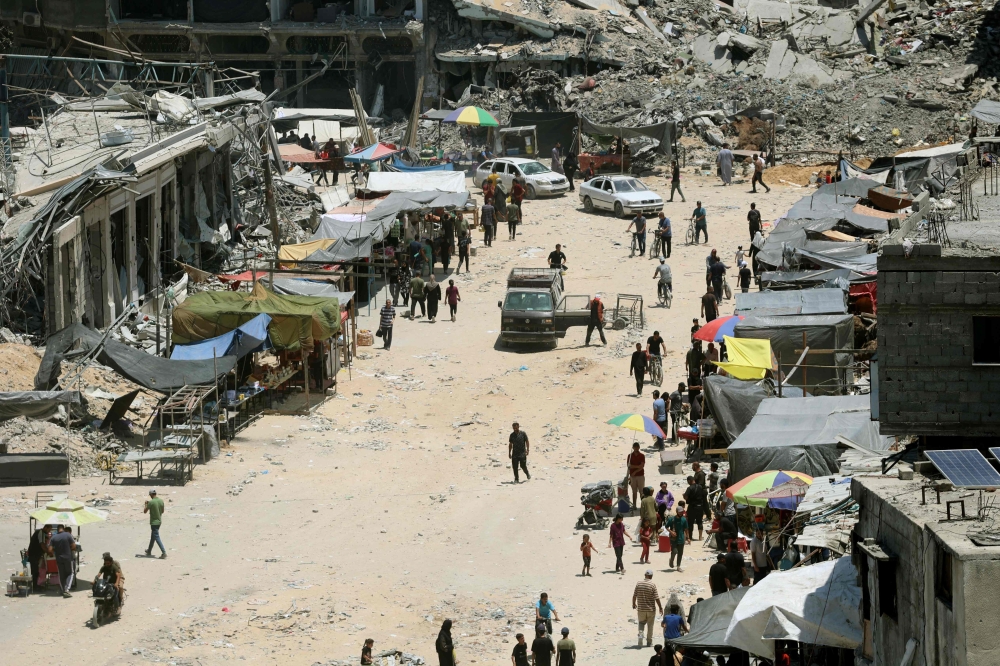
<point x="55" y="512"/>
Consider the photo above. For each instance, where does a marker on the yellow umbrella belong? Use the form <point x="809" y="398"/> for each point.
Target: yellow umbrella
<point x="68" y="512"/>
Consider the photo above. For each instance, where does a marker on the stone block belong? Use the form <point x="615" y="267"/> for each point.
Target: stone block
<point x="953" y="277"/>
<point x="975" y="299"/>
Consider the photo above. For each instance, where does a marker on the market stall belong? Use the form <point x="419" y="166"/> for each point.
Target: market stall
<point x="303" y="333"/>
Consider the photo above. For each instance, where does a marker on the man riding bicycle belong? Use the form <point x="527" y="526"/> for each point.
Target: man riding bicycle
<point x="666" y="282"/>
<point x="656" y="347"/>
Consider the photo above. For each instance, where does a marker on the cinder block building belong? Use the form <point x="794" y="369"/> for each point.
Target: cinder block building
<point x="939" y="331"/>
<point x="929" y="584"/>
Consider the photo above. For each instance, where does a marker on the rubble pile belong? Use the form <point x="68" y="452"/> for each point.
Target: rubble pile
<point x="21" y="435"/>
<point x="903" y="77"/>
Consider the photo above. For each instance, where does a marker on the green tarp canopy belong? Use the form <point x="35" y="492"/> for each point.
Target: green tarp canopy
<point x="295" y="320"/>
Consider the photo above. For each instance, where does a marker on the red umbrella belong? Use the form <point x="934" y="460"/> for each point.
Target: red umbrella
<point x="715" y="329"/>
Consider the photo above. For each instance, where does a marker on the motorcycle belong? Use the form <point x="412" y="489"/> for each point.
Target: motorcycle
<point x="105" y="606"/>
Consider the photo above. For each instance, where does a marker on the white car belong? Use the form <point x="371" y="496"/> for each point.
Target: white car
<point x="539" y="180"/>
<point x="625" y="195"/>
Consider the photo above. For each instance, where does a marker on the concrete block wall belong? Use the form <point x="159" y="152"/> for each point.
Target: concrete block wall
<point x="927" y="383"/>
<point x="900" y="536"/>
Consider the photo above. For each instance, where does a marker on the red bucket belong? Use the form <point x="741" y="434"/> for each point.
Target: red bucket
<point x="664" y="544"/>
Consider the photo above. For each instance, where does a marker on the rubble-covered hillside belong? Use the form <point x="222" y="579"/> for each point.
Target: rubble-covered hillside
<point x="902" y="77"/>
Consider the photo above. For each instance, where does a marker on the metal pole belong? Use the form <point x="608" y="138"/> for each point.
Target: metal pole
<point x="779" y="374"/>
<point x="805" y="370"/>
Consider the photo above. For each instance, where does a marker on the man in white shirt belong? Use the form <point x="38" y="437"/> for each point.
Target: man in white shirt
<point x="758" y="556"/>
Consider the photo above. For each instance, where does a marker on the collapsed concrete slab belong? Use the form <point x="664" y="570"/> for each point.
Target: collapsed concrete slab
<point x="496" y="10"/>
<point x="707" y="48"/>
<point x="780" y="61"/>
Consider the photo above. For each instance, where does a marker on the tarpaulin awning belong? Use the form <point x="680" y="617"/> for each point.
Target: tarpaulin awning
<point x="344" y="250"/>
<point x="821" y="206"/>
<point x="825" y="277"/>
<point x="378" y="221"/>
<point x="399" y="165"/>
<point x="416" y="181"/>
<point x="35" y="404"/>
<point x="822" y="332"/>
<point x="296" y="154"/>
<point x="300" y="251"/>
<point x="987" y="110"/>
<point x="856" y="186"/>
<point x="661" y="132"/>
<point x="152" y="372"/>
<point x="732" y="403"/>
<point x="792" y="302"/>
<point x="373" y="153"/>
<point x="239" y="342"/>
<point x="295" y="320"/>
<point x="748" y="358"/>
<point x="800" y="434"/>
<point x="551" y="127"/>
<point x="298" y="287"/>
<point x="710" y="619"/>
<point x="818" y="604"/>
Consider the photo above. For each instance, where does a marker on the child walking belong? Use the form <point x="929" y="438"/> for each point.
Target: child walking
<point x="587" y="548"/>
<point x="645" y="534"/>
<point x="452" y="296"/>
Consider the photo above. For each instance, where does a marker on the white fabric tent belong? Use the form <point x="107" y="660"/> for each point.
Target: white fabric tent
<point x="818" y="604"/>
<point x="416" y="181"/>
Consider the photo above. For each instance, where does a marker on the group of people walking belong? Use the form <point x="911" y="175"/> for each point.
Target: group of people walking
<point x="499" y="207"/>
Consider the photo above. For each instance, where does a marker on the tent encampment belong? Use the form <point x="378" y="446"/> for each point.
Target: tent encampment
<point x="821" y="332"/>
<point x="801" y="435"/>
<point x="296" y="321"/>
<point x="818" y="604"/>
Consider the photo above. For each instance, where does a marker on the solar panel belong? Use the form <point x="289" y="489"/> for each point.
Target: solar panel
<point x="996" y="452"/>
<point x="965" y="468"/>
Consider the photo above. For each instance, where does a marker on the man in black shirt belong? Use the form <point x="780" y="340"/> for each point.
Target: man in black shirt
<point x="717" y="271"/>
<point x="675" y="404"/>
<point x="735" y="566"/>
<point x="655" y="345"/>
<point x="695" y="496"/>
<point x="542" y="650"/>
<point x="718" y="576"/>
<point x="709" y="305"/>
<point x="753" y="218"/>
<point x="556" y="258"/>
<point x="638" y="367"/>
<point x="519" y="657"/>
<point x="694" y="359"/>
<point x="695" y="326"/>
<point x="744" y="277"/>
<point x="517" y="450"/>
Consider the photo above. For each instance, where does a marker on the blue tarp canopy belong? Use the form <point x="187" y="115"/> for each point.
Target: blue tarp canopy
<point x="248" y="337"/>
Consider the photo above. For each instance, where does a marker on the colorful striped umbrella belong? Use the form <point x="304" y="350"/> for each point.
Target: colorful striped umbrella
<point x="742" y="491"/>
<point x="373" y="153"/>
<point x="785" y="496"/>
<point x="639" y="423"/>
<point x="714" y="330"/>
<point x="472" y="115"/>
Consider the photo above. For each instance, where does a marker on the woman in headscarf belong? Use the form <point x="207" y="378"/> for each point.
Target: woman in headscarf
<point x="432" y="289"/>
<point x="445" y="648"/>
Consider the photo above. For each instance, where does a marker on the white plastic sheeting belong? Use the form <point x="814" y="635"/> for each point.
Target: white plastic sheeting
<point x="417" y="181"/>
<point x="818" y="604"/>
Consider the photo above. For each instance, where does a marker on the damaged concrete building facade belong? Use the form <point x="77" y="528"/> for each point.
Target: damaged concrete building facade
<point x="376" y="46"/>
<point x="97" y="229"/>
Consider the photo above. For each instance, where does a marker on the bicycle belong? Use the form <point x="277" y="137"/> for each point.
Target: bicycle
<point x="635" y="244"/>
<point x="655" y="370"/>
<point x="689" y="237"/>
<point x="664" y="293"/>
<point x="727" y="292"/>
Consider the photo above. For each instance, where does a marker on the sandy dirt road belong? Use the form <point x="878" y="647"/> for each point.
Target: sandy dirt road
<point x="393" y="506"/>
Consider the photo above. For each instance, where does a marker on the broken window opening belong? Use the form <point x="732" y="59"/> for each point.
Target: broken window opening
<point x="167" y="232"/>
<point x="943" y="570"/>
<point x="119" y="229"/>
<point x="886" y="573"/>
<point x="144" y="258"/>
<point x="154" y="10"/>
<point x="95" y="265"/>
<point x="986" y="340"/>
